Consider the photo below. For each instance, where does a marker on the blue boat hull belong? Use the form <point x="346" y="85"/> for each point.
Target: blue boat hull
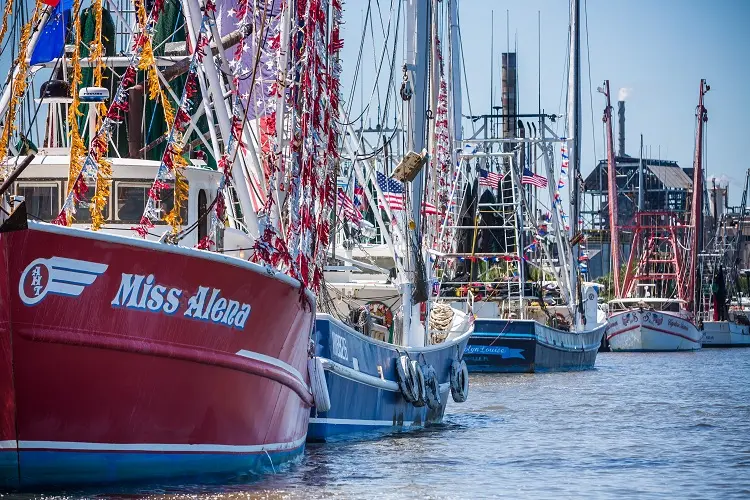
<point x="95" y="467"/>
<point x="525" y="346"/>
<point x="360" y="408"/>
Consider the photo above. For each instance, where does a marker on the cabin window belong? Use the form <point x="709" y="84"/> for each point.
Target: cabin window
<point x="167" y="203"/>
<point x="42" y="198"/>
<point x="202" y="215"/>
<point x="131" y="200"/>
<point x="132" y="197"/>
<point x="83" y="214"/>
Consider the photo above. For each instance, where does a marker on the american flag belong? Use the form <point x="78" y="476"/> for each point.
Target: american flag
<point x="393" y="192"/>
<point x="345" y="203"/>
<point x="534" y="179"/>
<point x="360" y="200"/>
<point x="428" y="208"/>
<point x="489" y="179"/>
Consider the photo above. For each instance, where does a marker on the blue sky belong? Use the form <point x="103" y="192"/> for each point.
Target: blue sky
<point x="658" y="50"/>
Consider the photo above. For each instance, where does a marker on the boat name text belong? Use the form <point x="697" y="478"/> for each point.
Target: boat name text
<point x="141" y="292"/>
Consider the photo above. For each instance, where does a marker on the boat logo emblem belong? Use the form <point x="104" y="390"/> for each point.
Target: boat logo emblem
<point x="57" y="275"/>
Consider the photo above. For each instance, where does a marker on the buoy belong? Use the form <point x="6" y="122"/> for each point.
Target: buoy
<point x="406" y="379"/>
<point x="459" y="381"/>
<point x="421" y="391"/>
<point x="432" y="388"/>
<point x="318" y="384"/>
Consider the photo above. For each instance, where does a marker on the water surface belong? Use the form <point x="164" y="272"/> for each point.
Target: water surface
<point x="671" y="425"/>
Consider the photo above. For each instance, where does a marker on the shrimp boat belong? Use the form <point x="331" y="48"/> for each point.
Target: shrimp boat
<point x="158" y="301"/>
<point x="519" y="269"/>
<point x="722" y="319"/>
<point x="391" y="352"/>
<point x="655" y="303"/>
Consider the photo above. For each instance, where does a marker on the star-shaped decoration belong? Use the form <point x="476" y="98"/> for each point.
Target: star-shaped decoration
<point x="231" y="13"/>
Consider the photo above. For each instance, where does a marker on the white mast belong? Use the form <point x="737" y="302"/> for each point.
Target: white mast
<point x="455" y="71"/>
<point x="417" y="29"/>
<point x="574" y="139"/>
<point x="193" y="16"/>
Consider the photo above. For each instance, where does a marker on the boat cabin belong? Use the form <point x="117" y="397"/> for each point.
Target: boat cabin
<point x="649" y="303"/>
<point x="44" y="185"/>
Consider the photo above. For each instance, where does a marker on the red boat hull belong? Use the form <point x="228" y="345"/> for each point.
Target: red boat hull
<point x="145" y="361"/>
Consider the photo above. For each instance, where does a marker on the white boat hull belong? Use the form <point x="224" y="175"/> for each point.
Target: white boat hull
<point x="725" y="334"/>
<point x="645" y="330"/>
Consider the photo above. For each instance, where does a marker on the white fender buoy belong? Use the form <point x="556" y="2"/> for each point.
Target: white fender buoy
<point x="419" y="384"/>
<point x="432" y="388"/>
<point x="406" y="379"/>
<point x="318" y="384"/>
<point x="459" y="381"/>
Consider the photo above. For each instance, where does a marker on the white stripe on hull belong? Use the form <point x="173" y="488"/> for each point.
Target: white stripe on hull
<point x="157" y="447"/>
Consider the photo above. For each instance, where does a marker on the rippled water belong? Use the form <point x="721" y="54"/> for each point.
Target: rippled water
<point x="672" y="425"/>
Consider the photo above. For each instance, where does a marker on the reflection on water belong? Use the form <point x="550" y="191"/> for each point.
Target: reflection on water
<point x="672" y="425"/>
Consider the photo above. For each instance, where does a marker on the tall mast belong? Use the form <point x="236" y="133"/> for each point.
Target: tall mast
<point x="418" y="30"/>
<point x="696" y="209"/>
<point x="641" y="182"/>
<point x="455" y="70"/>
<point x="612" y="191"/>
<point x="574" y="136"/>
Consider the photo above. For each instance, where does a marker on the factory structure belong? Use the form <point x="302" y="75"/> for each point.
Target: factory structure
<point x="651" y="184"/>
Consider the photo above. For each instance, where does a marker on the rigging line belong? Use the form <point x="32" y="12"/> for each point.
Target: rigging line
<point x="359" y="62"/>
<point x="51" y="76"/>
<point x="262" y="39"/>
<point x="588" y="59"/>
<point x="463" y="67"/>
<point x="374" y="60"/>
<point x="377" y="77"/>
<point x="392" y="67"/>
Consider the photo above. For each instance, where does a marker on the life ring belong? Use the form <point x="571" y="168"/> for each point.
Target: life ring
<point x="432" y="388"/>
<point x="459" y="381"/>
<point x="318" y="384"/>
<point x="419" y="385"/>
<point x="406" y="379"/>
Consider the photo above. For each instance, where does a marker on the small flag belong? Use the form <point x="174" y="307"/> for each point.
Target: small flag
<point x="534" y="179"/>
<point x="489" y="179"/>
<point x="428" y="208"/>
<point x="345" y="203"/>
<point x="52" y="38"/>
<point x="393" y="192"/>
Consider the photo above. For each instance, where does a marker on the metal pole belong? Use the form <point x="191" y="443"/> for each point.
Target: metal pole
<point x="455" y="73"/>
<point x="574" y="121"/>
<point x="612" y="196"/>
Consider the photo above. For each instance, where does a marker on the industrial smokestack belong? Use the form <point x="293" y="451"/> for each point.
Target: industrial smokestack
<point x="621" y="128"/>
<point x="510" y="93"/>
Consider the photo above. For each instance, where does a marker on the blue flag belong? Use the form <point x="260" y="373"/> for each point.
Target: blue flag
<point x="52" y="38"/>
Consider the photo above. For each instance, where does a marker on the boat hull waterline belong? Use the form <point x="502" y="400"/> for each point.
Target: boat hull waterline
<point x="526" y="346"/>
<point x="647" y="330"/>
<point x="725" y="334"/>
<point x="363" y="383"/>
<point x="128" y="360"/>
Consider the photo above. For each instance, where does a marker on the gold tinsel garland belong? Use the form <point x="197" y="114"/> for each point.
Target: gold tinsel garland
<point x="19" y="82"/>
<point x="173" y="218"/>
<point x="97" y="53"/>
<point x="101" y="194"/>
<point x="77" y="148"/>
<point x="148" y="63"/>
<point x="6" y="15"/>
